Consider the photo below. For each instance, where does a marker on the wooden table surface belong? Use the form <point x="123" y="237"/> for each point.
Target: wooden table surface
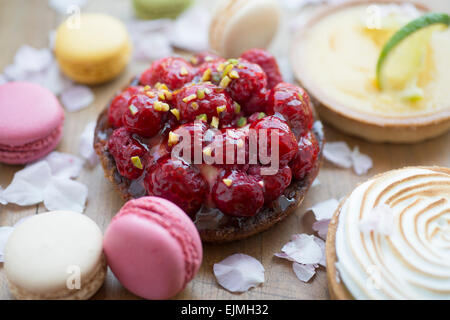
<point x="28" y="22"/>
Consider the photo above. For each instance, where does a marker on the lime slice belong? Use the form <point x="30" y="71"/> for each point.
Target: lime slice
<point x="401" y="58"/>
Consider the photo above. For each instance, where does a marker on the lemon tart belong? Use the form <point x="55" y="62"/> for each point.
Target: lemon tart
<point x="366" y="84"/>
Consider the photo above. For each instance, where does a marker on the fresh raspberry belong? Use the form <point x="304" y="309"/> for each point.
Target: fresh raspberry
<point x="231" y="149"/>
<point x="178" y="182"/>
<point x="120" y="104"/>
<point x="203" y="57"/>
<point x="267" y="62"/>
<point x="273" y="185"/>
<point x="251" y="80"/>
<point x="257" y="103"/>
<point x="294" y="105"/>
<point x="237" y="194"/>
<point x="130" y="156"/>
<point x="205" y="99"/>
<point x="287" y="143"/>
<point x="308" y="150"/>
<point x="141" y="116"/>
<point x="173" y="72"/>
<point x="196" y="132"/>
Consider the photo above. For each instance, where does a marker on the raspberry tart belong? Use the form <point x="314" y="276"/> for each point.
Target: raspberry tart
<point x="225" y="140"/>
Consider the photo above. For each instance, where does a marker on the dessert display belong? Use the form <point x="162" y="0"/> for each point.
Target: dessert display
<point x="378" y="69"/>
<point x="213" y="102"/>
<point x="389" y="238"/>
<point x="93" y="48"/>
<point x="55" y="255"/>
<point x="239" y="25"/>
<point x="31" y="122"/>
<point x="159" y="9"/>
<point x="153" y="248"/>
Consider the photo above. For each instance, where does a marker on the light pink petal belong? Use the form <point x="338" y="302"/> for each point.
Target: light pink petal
<point x="77" y="97"/>
<point x="138" y="27"/>
<point x="3" y="79"/>
<point x="321" y="244"/>
<point x="361" y="163"/>
<point x="303" y="249"/>
<point x="86" y="147"/>
<point x="14" y="72"/>
<point x="315" y="183"/>
<point x="64" y="165"/>
<point x="53" y="79"/>
<point x="304" y="272"/>
<point x="62" y="6"/>
<point x="380" y="220"/>
<point x="152" y="47"/>
<point x="5" y="232"/>
<point x="325" y="209"/>
<point x="190" y="30"/>
<point x="338" y="153"/>
<point x="321" y="227"/>
<point x="65" y="194"/>
<point x="27" y="187"/>
<point x="33" y="60"/>
<point x="2" y="200"/>
<point x="239" y="272"/>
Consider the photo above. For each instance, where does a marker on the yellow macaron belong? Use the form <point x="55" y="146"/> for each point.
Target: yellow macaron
<point x="92" y="48"/>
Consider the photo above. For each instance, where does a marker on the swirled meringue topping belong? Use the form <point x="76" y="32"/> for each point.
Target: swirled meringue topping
<point x="412" y="260"/>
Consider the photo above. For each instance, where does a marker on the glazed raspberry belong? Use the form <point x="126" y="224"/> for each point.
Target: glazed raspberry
<point x="257" y="103"/>
<point x="255" y="117"/>
<point x="205" y="99"/>
<point x="178" y="182"/>
<point x="308" y="150"/>
<point x="120" y="104"/>
<point x="203" y="57"/>
<point x="237" y="194"/>
<point x="267" y="62"/>
<point x="287" y="143"/>
<point x="141" y="116"/>
<point x="233" y="152"/>
<point x="273" y="185"/>
<point x="194" y="132"/>
<point x="130" y="156"/>
<point x="209" y="71"/>
<point x="173" y="72"/>
<point x="294" y="104"/>
<point x="246" y="80"/>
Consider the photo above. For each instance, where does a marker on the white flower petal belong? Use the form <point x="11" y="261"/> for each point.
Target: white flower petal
<point x="380" y="220"/>
<point x="54" y="80"/>
<point x="5" y="232"/>
<point x="14" y="72"/>
<point x="64" y="165"/>
<point x="361" y="162"/>
<point x="65" y="194"/>
<point x="77" y="97"/>
<point x="321" y="227"/>
<point x="155" y="46"/>
<point x="315" y="183"/>
<point x="304" y="272"/>
<point x="62" y="6"/>
<point x="86" y="147"/>
<point x="27" y="187"/>
<point x="303" y="249"/>
<point x="190" y="30"/>
<point x="338" y="153"/>
<point x="239" y="272"/>
<point x="325" y="209"/>
<point x="3" y="79"/>
<point x="321" y="244"/>
<point x="2" y="200"/>
<point x="33" y="60"/>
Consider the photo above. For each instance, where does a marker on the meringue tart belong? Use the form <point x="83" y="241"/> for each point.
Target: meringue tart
<point x="335" y="58"/>
<point x="390" y="238"/>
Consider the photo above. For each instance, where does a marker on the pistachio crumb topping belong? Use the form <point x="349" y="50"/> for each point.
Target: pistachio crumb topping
<point x="183" y="71"/>
<point x="221" y="67"/>
<point x="209" y="58"/>
<point x="133" y="109"/>
<point x="261" y="183"/>
<point x="202" y="117"/>
<point x="201" y="93"/>
<point x="162" y="96"/>
<point x="137" y="162"/>
<point x="161" y="106"/>
<point x="215" y="122"/>
<point x="228" y="182"/>
<point x="173" y="139"/>
<point x="224" y="82"/>
<point x="168" y="94"/>
<point x="207" y="75"/>
<point x="221" y="109"/>
<point x="194" y="60"/>
<point x="237" y="107"/>
<point x="176" y="113"/>
<point x="234" y="74"/>
<point x="233" y="61"/>
<point x="227" y="70"/>
<point x="150" y="94"/>
<point x="147" y="87"/>
<point x="194" y="105"/>
<point x="207" y="151"/>
<point x="242" y="122"/>
<point x="261" y="115"/>
<point x="189" y="98"/>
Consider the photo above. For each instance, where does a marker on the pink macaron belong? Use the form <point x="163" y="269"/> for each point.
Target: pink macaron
<point x="153" y="248"/>
<point x="31" y="122"/>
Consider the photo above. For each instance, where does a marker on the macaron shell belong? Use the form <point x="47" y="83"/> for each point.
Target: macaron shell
<point x="147" y="261"/>
<point x="28" y="113"/>
<point x="154" y="9"/>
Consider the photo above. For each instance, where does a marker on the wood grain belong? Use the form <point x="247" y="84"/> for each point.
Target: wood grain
<point x="28" y="22"/>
